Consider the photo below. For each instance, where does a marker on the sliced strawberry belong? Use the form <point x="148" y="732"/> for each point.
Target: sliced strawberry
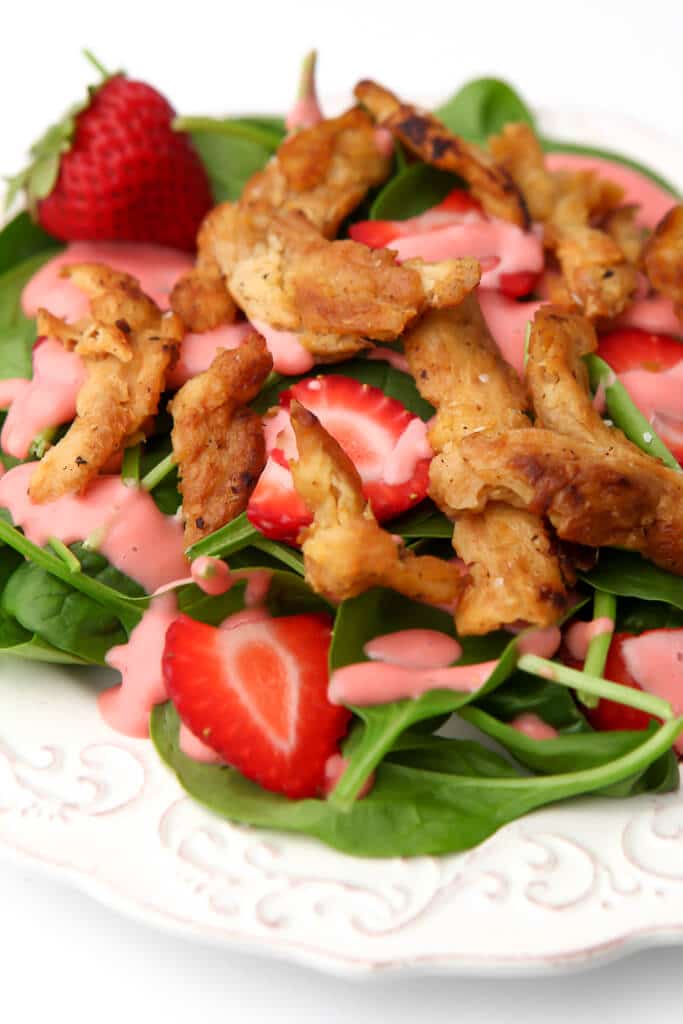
<point x="633" y="349"/>
<point x="521" y="283"/>
<point x="609" y="716"/>
<point x="630" y="351"/>
<point x="386" y="443"/>
<point x="257" y="694"/>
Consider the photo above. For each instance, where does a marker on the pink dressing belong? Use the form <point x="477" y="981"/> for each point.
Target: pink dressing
<point x="389" y="355"/>
<point x="45" y="401"/>
<point x="211" y="575"/>
<point x="532" y="726"/>
<point x="659" y="396"/>
<point x="191" y="746"/>
<point x="655" y="661"/>
<point x="653" y="200"/>
<point x="127" y="707"/>
<point x="507" y="321"/>
<point x="411" y="447"/>
<point x="136" y="537"/>
<point x="501" y="247"/>
<point x="414" y="648"/>
<point x="198" y="351"/>
<point x="655" y="314"/>
<point x="289" y="355"/>
<point x="156" y="267"/>
<point x="579" y="635"/>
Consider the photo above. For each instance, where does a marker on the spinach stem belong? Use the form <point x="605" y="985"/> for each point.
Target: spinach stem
<point x="218" y="126"/>
<point x="130" y="467"/>
<point x="604" y="606"/>
<point x="42" y="441"/>
<point x="366" y="756"/>
<point x="565" y="676"/>
<point x="225" y="541"/>
<point x="157" y="473"/>
<point x="63" y="552"/>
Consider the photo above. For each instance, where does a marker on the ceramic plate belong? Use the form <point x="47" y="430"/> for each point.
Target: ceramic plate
<point x="560" y="888"/>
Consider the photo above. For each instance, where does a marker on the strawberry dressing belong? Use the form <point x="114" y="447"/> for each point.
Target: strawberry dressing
<point x="533" y="726"/>
<point x="47" y="400"/>
<point x="655" y="662"/>
<point x="389" y="355"/>
<point x="507" y="320"/>
<point x="135" y="536"/>
<point x="580" y="634"/>
<point x="659" y="396"/>
<point x="156" y="267"/>
<point x="211" y="575"/>
<point x="191" y="746"/>
<point x="414" y="648"/>
<point x="289" y="355"/>
<point x="405" y="676"/>
<point x="198" y="351"/>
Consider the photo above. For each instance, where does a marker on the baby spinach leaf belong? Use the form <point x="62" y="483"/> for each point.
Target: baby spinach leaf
<point x="64" y="617"/>
<point x="555" y="146"/>
<point x="412" y="191"/>
<point x="635" y="616"/>
<point x="409" y="811"/>
<point x="628" y="574"/>
<point x="482" y="108"/>
<point x="423" y="522"/>
<point x="288" y="594"/>
<point x="376" y="372"/>
<point x="524" y="693"/>
<point x="578" y="751"/>
<point x="364" y="617"/>
<point x="231" y="149"/>
<point x="21" y="238"/>
<point x="17" y="332"/>
<point x="21" y="643"/>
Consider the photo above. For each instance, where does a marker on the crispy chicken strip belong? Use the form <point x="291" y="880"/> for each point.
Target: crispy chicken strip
<point x="592" y="494"/>
<point x="127" y="346"/>
<point x="621" y="226"/>
<point x="282" y="271"/>
<point x="345" y="550"/>
<point x="515" y="572"/>
<point x="218" y="443"/>
<point x="424" y="135"/>
<point x="663" y="257"/>
<point x="200" y="297"/>
<point x="323" y="171"/>
<point x="595" y="263"/>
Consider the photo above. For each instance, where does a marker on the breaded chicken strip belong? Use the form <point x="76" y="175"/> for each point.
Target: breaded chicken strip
<point x="218" y="443"/>
<point x="663" y="257"/>
<point x="200" y="297"/>
<point x="515" y="572"/>
<point x="127" y="346"/>
<point x="595" y="263"/>
<point x="345" y="550"/>
<point x="323" y="171"/>
<point x="282" y="271"/>
<point x="430" y="140"/>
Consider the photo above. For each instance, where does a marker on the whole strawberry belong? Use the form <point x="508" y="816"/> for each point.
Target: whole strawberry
<point x="115" y="169"/>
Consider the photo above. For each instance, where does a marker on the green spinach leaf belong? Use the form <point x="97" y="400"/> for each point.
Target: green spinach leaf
<point x="628" y="574"/>
<point x="482" y="108"/>
<point x="231" y="149"/>
<point x="413" y="190"/>
<point x="20" y="239"/>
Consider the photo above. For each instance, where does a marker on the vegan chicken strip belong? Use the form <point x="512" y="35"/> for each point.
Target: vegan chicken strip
<point x="218" y="442"/>
<point x="127" y="345"/>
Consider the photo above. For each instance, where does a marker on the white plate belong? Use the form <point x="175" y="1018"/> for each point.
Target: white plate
<point x="560" y="888"/>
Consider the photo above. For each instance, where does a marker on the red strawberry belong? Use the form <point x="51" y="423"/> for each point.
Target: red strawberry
<point x="115" y="169"/>
<point x="632" y="349"/>
<point x="609" y="715"/>
<point x="257" y="694"/>
<point x="369" y="426"/>
<point x="379" y="234"/>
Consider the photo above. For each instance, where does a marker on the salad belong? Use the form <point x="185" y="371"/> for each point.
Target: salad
<point x="330" y="433"/>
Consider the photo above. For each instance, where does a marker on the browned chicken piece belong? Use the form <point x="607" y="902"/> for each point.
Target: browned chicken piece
<point x="430" y="140"/>
<point x="596" y="263"/>
<point x="345" y="550"/>
<point x="663" y="257"/>
<point x="622" y="227"/>
<point x="323" y="171"/>
<point x="127" y="346"/>
<point x="218" y="442"/>
<point x="282" y="271"/>
<point x="200" y="297"/>
<point x="592" y="494"/>
<point x="516" y="575"/>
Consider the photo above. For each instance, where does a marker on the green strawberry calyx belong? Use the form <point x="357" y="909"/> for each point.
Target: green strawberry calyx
<point x="39" y="177"/>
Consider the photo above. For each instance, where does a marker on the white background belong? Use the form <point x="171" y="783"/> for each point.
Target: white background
<point x="61" y="956"/>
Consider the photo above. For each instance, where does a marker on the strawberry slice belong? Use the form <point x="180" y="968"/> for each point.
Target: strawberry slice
<point x="609" y="716"/>
<point x="256" y="692"/>
<point x="386" y="443"/>
<point x="631" y="351"/>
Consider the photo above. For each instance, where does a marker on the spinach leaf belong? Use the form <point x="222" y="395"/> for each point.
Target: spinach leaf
<point x="423" y="522"/>
<point x="364" y="617"/>
<point x="524" y="693"/>
<point x="66" y="618"/>
<point x="376" y="372"/>
<point x="482" y="108"/>
<point x="20" y="239"/>
<point x="412" y="191"/>
<point x="288" y="594"/>
<point x="231" y="149"/>
<point x="580" y="751"/>
<point x="628" y="574"/>
<point x="409" y="811"/>
<point x="635" y="616"/>
<point x="17" y="332"/>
